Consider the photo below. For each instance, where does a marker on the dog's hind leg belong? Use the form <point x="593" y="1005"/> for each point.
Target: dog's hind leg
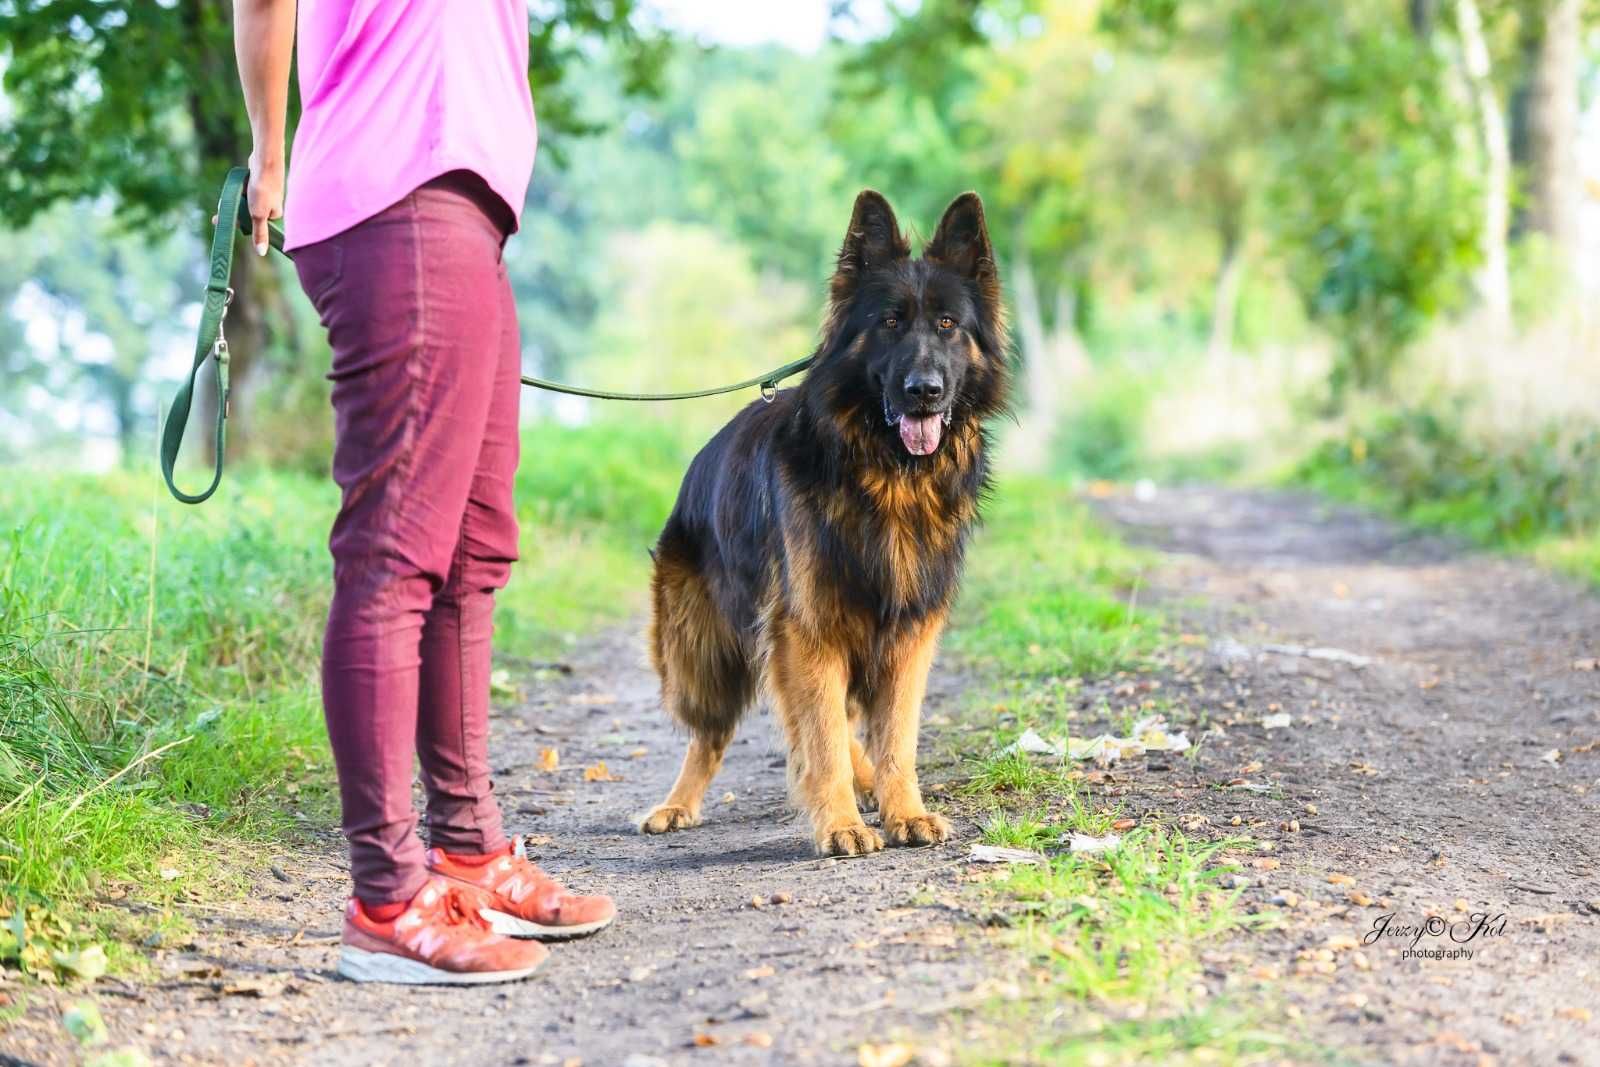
<point x="706" y="683"/>
<point x="808" y="677"/>
<point x="860" y="763"/>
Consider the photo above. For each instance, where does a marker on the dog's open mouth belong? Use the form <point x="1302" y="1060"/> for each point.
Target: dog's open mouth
<point x="920" y="434"/>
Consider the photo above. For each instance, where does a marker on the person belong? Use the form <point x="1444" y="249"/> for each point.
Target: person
<point x="411" y="160"/>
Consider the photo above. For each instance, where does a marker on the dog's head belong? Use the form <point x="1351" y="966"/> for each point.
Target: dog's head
<point x="925" y="337"/>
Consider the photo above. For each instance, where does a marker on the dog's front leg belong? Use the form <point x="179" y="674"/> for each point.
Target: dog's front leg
<point x="808" y="678"/>
<point x="892" y="740"/>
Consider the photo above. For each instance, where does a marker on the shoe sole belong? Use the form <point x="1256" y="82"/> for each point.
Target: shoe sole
<point x="511" y="926"/>
<point x="359" y="965"/>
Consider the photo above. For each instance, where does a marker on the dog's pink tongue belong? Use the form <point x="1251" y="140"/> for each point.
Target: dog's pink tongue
<point x="921" y="435"/>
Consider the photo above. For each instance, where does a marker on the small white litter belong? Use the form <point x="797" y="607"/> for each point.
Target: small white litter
<point x="1148" y="735"/>
<point x="1077" y="842"/>
<point x="1553" y="756"/>
<point x="1000" y="854"/>
<point x="1034" y="744"/>
<point x="1334" y="655"/>
<point x="1279" y="721"/>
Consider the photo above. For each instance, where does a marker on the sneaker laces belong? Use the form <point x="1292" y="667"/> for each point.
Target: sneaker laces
<point x="457" y="910"/>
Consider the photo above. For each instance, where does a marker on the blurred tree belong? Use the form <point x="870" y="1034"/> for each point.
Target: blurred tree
<point x="1492" y="279"/>
<point x="1552" y="119"/>
<point x="1374" y="205"/>
<point x="758" y="166"/>
<point x="140" y="100"/>
<point x="114" y="303"/>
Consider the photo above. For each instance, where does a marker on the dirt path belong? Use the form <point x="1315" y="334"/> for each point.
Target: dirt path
<point x="1413" y="772"/>
<point x="1421" y="780"/>
<point x="804" y="977"/>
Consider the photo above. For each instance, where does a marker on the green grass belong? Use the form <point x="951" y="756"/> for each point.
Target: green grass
<point x="158" y="663"/>
<point x="1048" y="590"/>
<point x="1108" y="944"/>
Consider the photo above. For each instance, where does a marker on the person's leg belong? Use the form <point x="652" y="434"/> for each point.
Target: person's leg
<point x="413" y="346"/>
<point x="453" y="718"/>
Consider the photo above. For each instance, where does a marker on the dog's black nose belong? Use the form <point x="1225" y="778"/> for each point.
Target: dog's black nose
<point x="925" y="388"/>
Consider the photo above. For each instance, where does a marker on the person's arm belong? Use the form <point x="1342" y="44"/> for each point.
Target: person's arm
<point x="263" y="44"/>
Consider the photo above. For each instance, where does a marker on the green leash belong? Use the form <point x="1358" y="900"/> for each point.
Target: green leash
<point x="212" y="343"/>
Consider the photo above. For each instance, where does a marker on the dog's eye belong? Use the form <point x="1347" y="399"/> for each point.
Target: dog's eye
<point x="891" y="323"/>
<point x="946" y="322"/>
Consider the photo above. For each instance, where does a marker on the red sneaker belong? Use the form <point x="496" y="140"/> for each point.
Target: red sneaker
<point x="523" y="901"/>
<point x="440" y="939"/>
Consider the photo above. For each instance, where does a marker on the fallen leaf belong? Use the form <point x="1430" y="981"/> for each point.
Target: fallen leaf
<point x="87" y="963"/>
<point x="83" y="1022"/>
<point x="549" y="759"/>
<point x="1253" y="767"/>
<point x="758" y="1039"/>
<point x="1358" y="898"/>
<point x="599" y="773"/>
<point x="891" y="1055"/>
<point x="764" y="971"/>
<point x="1340" y="879"/>
<point x="639" y="753"/>
<point x="501" y="686"/>
<point x="1123" y="825"/>
<point x="728" y="798"/>
<point x="1577" y="1015"/>
<point x="706" y="1040"/>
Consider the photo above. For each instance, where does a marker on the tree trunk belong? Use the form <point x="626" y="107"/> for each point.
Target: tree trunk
<point x="1553" y="191"/>
<point x="223" y="140"/>
<point x="1493" y="281"/>
<point x="1028" y="447"/>
<point x="1225" y="296"/>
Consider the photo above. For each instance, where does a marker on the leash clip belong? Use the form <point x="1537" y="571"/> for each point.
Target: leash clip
<point x="769" y="391"/>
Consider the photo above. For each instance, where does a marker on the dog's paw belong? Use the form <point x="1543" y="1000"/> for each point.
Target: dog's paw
<point x="866" y="799"/>
<point x="667" y="818"/>
<point x="926" y="829"/>
<point x="851" y="839"/>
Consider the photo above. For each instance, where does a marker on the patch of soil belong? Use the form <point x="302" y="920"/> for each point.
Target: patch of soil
<point x="735" y="943"/>
<point x="1447" y="767"/>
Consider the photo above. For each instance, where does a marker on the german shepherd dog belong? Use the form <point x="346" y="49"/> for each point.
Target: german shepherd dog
<point x="817" y="540"/>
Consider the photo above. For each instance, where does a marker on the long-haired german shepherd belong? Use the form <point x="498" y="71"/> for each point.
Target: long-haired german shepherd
<point x="817" y="540"/>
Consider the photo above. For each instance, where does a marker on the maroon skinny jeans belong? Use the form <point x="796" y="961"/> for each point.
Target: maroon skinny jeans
<point x="426" y="360"/>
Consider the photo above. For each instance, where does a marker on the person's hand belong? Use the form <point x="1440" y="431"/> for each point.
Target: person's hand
<point x="266" y="195"/>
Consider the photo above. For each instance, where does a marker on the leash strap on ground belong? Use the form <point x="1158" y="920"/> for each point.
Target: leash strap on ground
<point x="233" y="214"/>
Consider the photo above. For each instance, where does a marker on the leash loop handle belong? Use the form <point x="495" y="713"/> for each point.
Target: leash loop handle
<point x="209" y="344"/>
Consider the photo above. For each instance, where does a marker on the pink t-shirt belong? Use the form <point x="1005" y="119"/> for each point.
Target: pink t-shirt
<point x="397" y="92"/>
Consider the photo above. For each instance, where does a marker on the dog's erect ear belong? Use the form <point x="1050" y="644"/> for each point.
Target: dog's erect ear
<point x="873" y="239"/>
<point x="962" y="241"/>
